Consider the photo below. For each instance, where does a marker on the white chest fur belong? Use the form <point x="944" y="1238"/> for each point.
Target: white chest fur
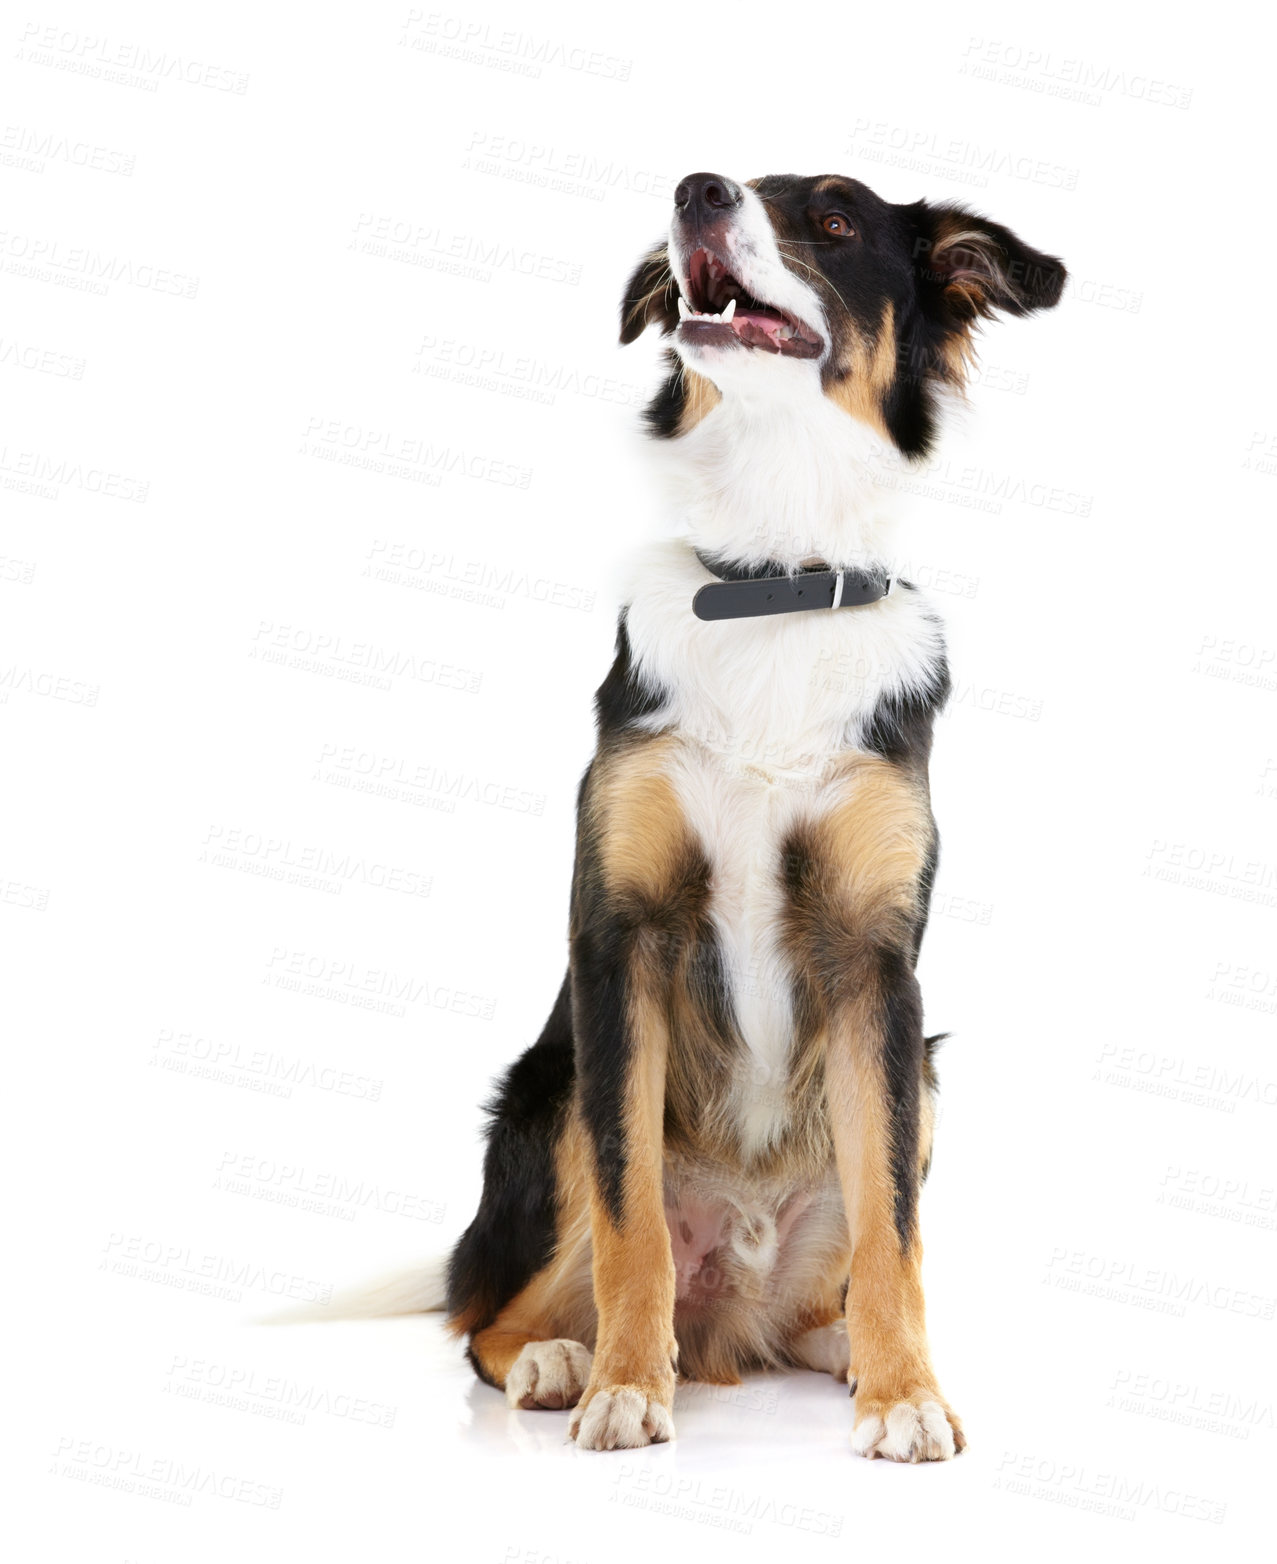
<point x="785" y="692"/>
<point x="742" y="816"/>
<point x="764" y="706"/>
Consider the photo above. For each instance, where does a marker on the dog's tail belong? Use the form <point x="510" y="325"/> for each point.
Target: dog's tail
<point x="421" y="1290"/>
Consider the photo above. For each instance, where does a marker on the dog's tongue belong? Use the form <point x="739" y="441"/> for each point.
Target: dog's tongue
<point x="758" y="330"/>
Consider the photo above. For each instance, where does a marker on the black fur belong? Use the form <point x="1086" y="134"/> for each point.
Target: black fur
<point x="651" y="295"/>
<point x="1009" y="275"/>
<point x="663" y="412"/>
<point x="512" y="1233"/>
<point x="901" y="727"/>
<point x="621" y="699"/>
<point x="602" y="950"/>
<point x="903" y="1061"/>
<point x="926" y="884"/>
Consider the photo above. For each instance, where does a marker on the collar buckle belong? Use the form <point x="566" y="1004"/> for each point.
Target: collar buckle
<point x="753" y="592"/>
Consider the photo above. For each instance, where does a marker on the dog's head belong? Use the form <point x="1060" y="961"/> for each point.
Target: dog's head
<point x="790" y="285"/>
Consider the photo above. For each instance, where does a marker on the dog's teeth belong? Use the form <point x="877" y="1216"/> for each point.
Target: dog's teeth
<point x="684" y="309"/>
<point x="728" y="312"/>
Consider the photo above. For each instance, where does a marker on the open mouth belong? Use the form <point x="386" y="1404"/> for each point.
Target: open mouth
<point x="716" y="309"/>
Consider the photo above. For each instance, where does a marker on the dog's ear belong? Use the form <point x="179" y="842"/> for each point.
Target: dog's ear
<point x="651" y="296"/>
<point x="968" y="268"/>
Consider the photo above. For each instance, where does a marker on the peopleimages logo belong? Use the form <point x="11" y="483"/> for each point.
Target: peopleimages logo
<point x="926" y="150"/>
<point x="256" y="1068"/>
<point x="1067" y="76"/>
<point x="210" y="1275"/>
<point x="118" y="1466"/>
<point x="1118" y="1495"/>
<point x="113" y="59"/>
<point x="524" y="54"/>
<point x="78" y="265"/>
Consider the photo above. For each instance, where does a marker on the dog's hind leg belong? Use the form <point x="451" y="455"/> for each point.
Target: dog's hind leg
<point x="519" y="1277"/>
<point x="537" y="1349"/>
<point x="823" y="1348"/>
<point x="532" y="1370"/>
<point x="819" y="1340"/>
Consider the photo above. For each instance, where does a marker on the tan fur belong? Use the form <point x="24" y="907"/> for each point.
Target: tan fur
<point x="875" y="843"/>
<point x="497" y="1348"/>
<point x="868" y="373"/>
<point x="866" y="858"/>
<point x="699" y="1063"/>
<point x="633" y="1268"/>
<point x="701" y="397"/>
<point x="464" y="1321"/>
<point x="886" y="1316"/>
<point x="985" y="273"/>
<point x="632" y="805"/>
<point x="640" y="310"/>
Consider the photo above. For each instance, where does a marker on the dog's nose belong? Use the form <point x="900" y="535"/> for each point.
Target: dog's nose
<point x="702" y="197"/>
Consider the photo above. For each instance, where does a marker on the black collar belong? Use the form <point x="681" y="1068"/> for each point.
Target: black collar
<point x="751" y="591"/>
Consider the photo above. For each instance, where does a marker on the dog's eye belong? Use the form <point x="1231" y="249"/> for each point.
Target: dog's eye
<point x="837" y="224"/>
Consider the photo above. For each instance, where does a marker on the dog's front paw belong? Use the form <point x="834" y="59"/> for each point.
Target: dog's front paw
<point x="620" y="1417"/>
<point x="548" y="1374"/>
<point x="919" y="1427"/>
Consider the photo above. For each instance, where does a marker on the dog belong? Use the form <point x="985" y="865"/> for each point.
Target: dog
<point x="710" y="1160"/>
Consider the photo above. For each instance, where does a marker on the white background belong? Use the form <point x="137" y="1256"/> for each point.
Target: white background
<point x="243" y="245"/>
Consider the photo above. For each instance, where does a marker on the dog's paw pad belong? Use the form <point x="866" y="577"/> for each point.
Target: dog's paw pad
<point x="917" y="1430"/>
<point x="550" y="1374"/>
<point x="622" y="1418"/>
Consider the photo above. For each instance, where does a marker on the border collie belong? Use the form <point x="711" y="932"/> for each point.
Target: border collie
<point x="710" y="1161"/>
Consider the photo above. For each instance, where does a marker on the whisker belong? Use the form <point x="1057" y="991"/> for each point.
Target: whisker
<point x="662" y="284"/>
<point x="780" y="245"/>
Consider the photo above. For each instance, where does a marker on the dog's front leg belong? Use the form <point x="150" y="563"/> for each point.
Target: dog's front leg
<point x="857" y="883"/>
<point x="874" y="1075"/>
<point x="640" y="881"/>
<point x="619" y="1015"/>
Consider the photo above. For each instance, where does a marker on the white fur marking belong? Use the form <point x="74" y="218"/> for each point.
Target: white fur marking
<point x="548" y="1373"/>
<point x="909" y="1433"/>
<point x="782" y="694"/>
<point x="620" y="1419"/>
